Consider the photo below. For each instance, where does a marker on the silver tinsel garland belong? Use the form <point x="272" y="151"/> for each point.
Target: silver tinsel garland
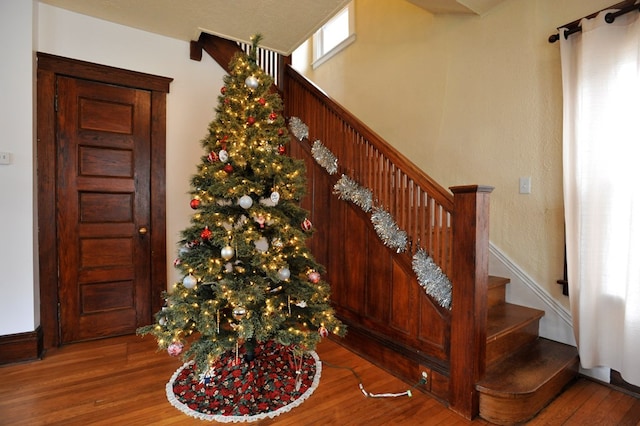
<point x="298" y="128"/>
<point x="324" y="157"/>
<point x="348" y="189"/>
<point x="388" y="231"/>
<point x="432" y="279"/>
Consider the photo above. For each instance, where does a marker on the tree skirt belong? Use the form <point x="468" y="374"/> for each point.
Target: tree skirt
<point x="236" y="390"/>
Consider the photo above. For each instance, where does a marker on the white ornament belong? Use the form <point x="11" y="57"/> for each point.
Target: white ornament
<point x="284" y="274"/>
<point x="223" y="155"/>
<point x="275" y="197"/>
<point x="262" y="245"/>
<point x="227" y="252"/>
<point x="189" y="281"/>
<point x="251" y="82"/>
<point x="245" y="202"/>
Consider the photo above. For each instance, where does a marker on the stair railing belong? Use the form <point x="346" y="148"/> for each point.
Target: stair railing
<point x="453" y="227"/>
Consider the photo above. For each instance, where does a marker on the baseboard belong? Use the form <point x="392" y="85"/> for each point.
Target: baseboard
<point x="21" y="347"/>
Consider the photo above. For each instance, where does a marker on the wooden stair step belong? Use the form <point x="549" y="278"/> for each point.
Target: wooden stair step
<point x="496" y="291"/>
<point x="510" y="327"/>
<point x="517" y="388"/>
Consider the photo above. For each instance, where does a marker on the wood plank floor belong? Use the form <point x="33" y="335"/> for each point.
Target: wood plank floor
<point x="120" y="381"/>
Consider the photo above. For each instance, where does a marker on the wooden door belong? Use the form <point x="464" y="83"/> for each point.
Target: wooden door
<point x="102" y="208"/>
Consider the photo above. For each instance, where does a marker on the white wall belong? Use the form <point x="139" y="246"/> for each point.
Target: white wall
<point x="17" y="211"/>
<point x="190" y="108"/>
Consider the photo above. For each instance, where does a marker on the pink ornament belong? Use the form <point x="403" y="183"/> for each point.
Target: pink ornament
<point x="175" y="349"/>
<point x="323" y="331"/>
<point x="306" y="225"/>
<point x="314" y="277"/>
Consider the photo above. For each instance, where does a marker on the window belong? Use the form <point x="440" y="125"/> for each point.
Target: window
<point x="335" y="35"/>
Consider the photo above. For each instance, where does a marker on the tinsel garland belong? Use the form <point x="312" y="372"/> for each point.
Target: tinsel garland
<point x="349" y="190"/>
<point x="432" y="279"/>
<point x="298" y="128"/>
<point x="324" y="157"/>
<point x="388" y="230"/>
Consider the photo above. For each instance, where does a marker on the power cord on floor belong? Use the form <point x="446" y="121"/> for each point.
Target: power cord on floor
<point x="422" y="381"/>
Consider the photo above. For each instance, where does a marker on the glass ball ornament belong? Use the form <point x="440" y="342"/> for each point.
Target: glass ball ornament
<point x="175" y="348"/>
<point x="189" y="281"/>
<point x="284" y="274"/>
<point x="245" y="202"/>
<point x="314" y="277"/>
<point x="223" y="155"/>
<point x="227" y="252"/>
<point x="252" y="82"/>
<point x="239" y="312"/>
<point x="323" y="331"/>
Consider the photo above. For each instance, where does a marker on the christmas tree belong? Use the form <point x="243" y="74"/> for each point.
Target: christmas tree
<point x="248" y="275"/>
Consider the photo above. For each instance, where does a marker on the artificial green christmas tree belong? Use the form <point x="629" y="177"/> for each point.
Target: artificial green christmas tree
<point x="248" y="275"/>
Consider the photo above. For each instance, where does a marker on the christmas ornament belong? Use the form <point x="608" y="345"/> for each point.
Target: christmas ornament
<point x="324" y="157"/>
<point x="262" y="101"/>
<point x="262" y="245"/>
<point x="162" y="321"/>
<point x="298" y="128"/>
<point x="176" y="262"/>
<point x="206" y="233"/>
<point x="275" y="197"/>
<point x="273" y="117"/>
<point x="252" y="82"/>
<point x="323" y="331"/>
<point x="281" y="149"/>
<point x="189" y="281"/>
<point x="349" y="190"/>
<point x="251" y="121"/>
<point x="306" y="225"/>
<point x="301" y="304"/>
<point x="227" y="252"/>
<point x="280" y="132"/>
<point x="223" y="155"/>
<point x="284" y="274"/>
<point x="175" y="348"/>
<point x="388" y="231"/>
<point x="195" y="203"/>
<point x="277" y="243"/>
<point x="245" y="202"/>
<point x="431" y="278"/>
<point x="261" y="220"/>
<point x="239" y="312"/>
<point x="212" y="157"/>
<point x="228" y="168"/>
<point x="223" y="90"/>
<point x="314" y="277"/>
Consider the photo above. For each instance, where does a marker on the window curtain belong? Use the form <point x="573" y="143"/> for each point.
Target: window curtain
<point x="601" y="183"/>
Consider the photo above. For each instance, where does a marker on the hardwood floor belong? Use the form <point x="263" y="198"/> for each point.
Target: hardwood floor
<point x="121" y="381"/>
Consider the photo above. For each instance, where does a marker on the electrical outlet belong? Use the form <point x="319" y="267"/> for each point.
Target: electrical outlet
<point x="525" y="185"/>
<point x="5" y="158"/>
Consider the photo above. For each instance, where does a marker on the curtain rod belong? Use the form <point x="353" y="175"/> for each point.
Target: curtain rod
<point x="575" y="27"/>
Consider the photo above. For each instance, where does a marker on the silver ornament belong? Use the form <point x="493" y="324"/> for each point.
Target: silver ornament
<point x="275" y="197"/>
<point x="284" y="274"/>
<point x="227" y="252"/>
<point x="223" y="155"/>
<point x="239" y="312"/>
<point x="245" y="202"/>
<point x="251" y="82"/>
<point x="189" y="281"/>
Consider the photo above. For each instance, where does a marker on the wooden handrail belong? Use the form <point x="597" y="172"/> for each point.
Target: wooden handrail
<point x="419" y="204"/>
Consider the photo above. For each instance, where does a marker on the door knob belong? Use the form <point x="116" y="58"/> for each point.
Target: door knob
<point x="142" y="230"/>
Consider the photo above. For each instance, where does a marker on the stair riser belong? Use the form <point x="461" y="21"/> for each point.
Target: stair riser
<point x="506" y="344"/>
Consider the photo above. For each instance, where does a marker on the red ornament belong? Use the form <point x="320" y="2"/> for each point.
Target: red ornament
<point x="281" y="149"/>
<point x="306" y="225"/>
<point x="228" y="168"/>
<point x="262" y="101"/>
<point x="195" y="203"/>
<point x="212" y="157"/>
<point x="251" y="121"/>
<point x="223" y="90"/>
<point x="280" y="132"/>
<point x="323" y="331"/>
<point x="273" y="116"/>
<point x="206" y="233"/>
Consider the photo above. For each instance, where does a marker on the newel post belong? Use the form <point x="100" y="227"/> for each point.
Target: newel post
<point x="469" y="296"/>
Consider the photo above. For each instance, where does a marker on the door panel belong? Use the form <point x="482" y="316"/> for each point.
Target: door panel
<point x="103" y="193"/>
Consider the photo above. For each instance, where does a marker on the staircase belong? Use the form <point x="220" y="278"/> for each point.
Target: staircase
<point x="524" y="372"/>
<point x="484" y="356"/>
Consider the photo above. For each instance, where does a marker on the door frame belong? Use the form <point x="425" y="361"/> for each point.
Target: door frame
<point x="49" y="67"/>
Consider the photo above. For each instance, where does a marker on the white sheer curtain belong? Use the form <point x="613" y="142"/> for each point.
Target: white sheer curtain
<point x="601" y="158"/>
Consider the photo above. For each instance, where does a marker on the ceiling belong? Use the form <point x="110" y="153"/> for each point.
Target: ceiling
<point x="284" y="24"/>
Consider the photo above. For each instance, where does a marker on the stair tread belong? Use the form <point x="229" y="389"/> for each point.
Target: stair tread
<point x="495" y="281"/>
<point x="527" y="370"/>
<point x="505" y="317"/>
